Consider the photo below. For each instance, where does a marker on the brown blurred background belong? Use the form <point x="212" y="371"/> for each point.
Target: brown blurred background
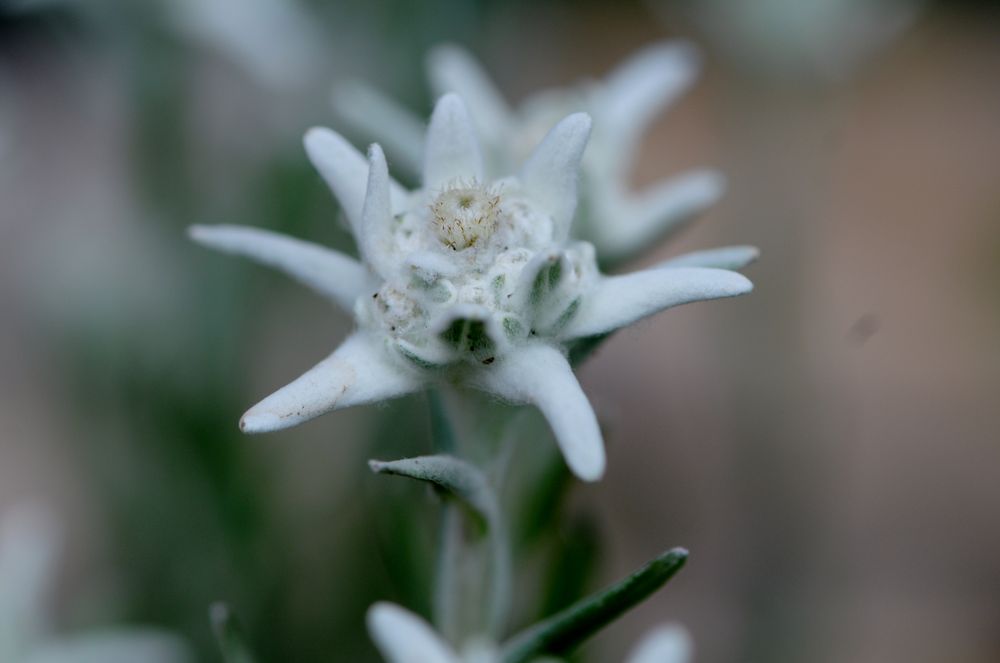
<point x="828" y="448"/>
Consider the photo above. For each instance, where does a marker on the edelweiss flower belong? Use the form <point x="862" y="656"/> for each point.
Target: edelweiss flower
<point x="28" y="551"/>
<point x="403" y="637"/>
<point x="623" y="105"/>
<point x="468" y="281"/>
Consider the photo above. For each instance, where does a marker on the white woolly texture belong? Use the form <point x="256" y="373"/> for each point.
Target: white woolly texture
<point x="551" y="172"/>
<point x="329" y="273"/>
<point x="469" y="281"/>
<point x="357" y="372"/>
<point x="618" y="301"/>
<point x="540" y="374"/>
<point x="623" y="106"/>
<point x="665" y="644"/>
<point x="345" y="171"/>
<point x="374" y="240"/>
<point x="725" y="257"/>
<point x="452" y="151"/>
<point x="451" y="69"/>
<point x="376" y="116"/>
<point x="403" y="637"/>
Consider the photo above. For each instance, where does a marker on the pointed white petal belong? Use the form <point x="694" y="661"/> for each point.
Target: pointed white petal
<point x="724" y="257"/>
<point x="617" y="301"/>
<point x="403" y="637"/>
<point x="539" y="374"/>
<point x="665" y="644"/>
<point x="644" y="85"/>
<point x="326" y="271"/>
<point x="452" y="151"/>
<point x="550" y="174"/>
<point x="357" y="372"/>
<point x="664" y="208"/>
<point x="118" y="646"/>
<point x="346" y="172"/>
<point x="375" y="238"/>
<point x="376" y="116"/>
<point x="453" y="69"/>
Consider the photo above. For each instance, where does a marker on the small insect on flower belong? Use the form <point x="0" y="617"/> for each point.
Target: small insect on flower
<point x="466" y="281"/>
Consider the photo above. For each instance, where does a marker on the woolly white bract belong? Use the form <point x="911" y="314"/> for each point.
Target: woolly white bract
<point x="469" y="280"/>
<point x="403" y="637"/>
<point x="623" y="106"/>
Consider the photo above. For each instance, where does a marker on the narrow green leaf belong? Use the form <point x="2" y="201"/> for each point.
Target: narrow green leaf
<point x="455" y="476"/>
<point x="473" y="490"/>
<point x="229" y="634"/>
<point x="564" y="631"/>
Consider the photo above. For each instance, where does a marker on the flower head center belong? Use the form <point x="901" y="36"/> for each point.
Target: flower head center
<point x="465" y="216"/>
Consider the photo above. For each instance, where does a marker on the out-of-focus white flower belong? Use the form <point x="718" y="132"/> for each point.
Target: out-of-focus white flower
<point x="28" y="552"/>
<point x="468" y="281"/>
<point x="664" y="644"/>
<point x="274" y="41"/>
<point x="826" y="37"/>
<point x="403" y="637"/>
<point x="623" y="105"/>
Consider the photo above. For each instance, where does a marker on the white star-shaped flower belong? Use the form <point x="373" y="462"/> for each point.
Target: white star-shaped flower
<point x="403" y="637"/>
<point x="623" y="105"/>
<point x="468" y="280"/>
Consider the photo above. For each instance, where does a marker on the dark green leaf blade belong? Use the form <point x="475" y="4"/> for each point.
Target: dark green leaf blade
<point x="561" y="633"/>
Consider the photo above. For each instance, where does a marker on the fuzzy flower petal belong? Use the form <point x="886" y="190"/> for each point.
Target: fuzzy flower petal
<point x="660" y="210"/>
<point x="403" y="637"/>
<point x="357" y="372"/>
<point x="539" y="374"/>
<point x="475" y="282"/>
<point x="724" y="257"/>
<point x="665" y="644"/>
<point x="452" y="151"/>
<point x="326" y="271"/>
<point x="375" y="115"/>
<point x="550" y="174"/>
<point x="642" y="86"/>
<point x="617" y="301"/>
<point x="376" y="216"/>
<point x="451" y="69"/>
<point x="345" y="171"/>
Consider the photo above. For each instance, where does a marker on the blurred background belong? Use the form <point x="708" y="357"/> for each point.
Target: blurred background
<point x="827" y="448"/>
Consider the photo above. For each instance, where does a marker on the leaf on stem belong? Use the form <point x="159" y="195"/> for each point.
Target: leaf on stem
<point x="564" y="631"/>
<point x="455" y="476"/>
